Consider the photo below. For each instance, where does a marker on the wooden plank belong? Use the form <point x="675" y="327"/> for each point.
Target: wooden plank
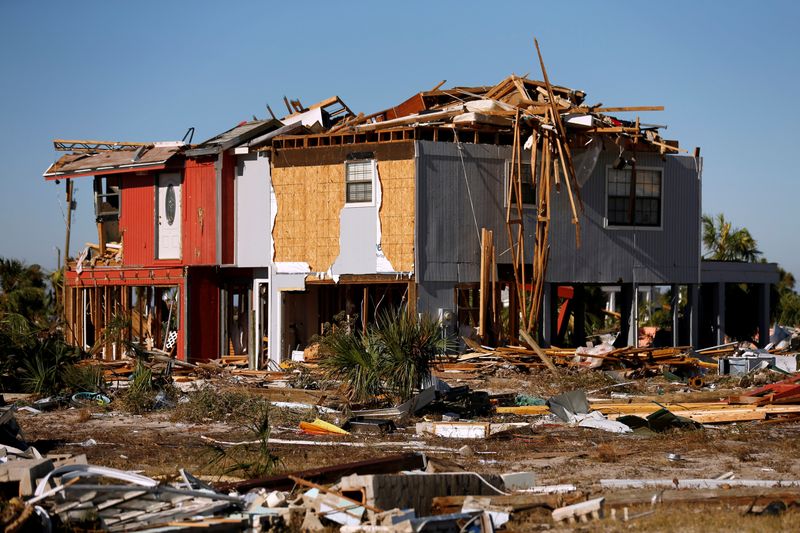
<point x="625" y="109"/>
<point x="486" y="243"/>
<point x="326" y="490"/>
<point x="543" y="356"/>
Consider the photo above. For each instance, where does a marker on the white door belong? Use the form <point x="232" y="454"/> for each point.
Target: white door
<point x="168" y="216"/>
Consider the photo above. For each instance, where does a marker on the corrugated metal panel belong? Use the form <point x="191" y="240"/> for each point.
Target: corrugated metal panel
<point x="137" y="220"/>
<point x="449" y="249"/>
<point x="652" y="256"/>
<point x="228" y="208"/>
<point x="199" y="212"/>
<point x="454" y="180"/>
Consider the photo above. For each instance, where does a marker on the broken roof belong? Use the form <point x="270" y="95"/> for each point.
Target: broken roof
<point x="499" y="107"/>
<point x="239" y="134"/>
<point x="152" y="156"/>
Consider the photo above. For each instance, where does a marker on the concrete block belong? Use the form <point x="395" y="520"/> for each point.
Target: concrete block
<point x="25" y="472"/>
<point x="518" y="480"/>
<point x="60" y="460"/>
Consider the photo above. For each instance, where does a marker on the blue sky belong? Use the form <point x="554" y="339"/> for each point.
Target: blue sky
<point x="140" y="71"/>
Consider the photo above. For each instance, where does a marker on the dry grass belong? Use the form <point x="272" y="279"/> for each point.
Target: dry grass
<point x="84" y="415"/>
<point x="702" y="519"/>
<point x="606" y="453"/>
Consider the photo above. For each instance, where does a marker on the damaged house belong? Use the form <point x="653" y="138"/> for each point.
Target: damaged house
<point x="490" y="207"/>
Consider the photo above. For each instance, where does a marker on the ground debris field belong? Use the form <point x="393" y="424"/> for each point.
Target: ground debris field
<point x="201" y="431"/>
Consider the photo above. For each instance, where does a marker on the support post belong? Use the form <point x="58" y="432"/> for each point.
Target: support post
<point x="633" y="317"/>
<point x="579" y="316"/>
<point x="763" y="314"/>
<point x="412" y="298"/>
<point x="486" y="265"/>
<point x="548" y="318"/>
<point x="693" y="305"/>
<point x="66" y="250"/>
<point x="676" y="307"/>
<point x="626" y="299"/>
<point x="364" y="309"/>
<point x="719" y="305"/>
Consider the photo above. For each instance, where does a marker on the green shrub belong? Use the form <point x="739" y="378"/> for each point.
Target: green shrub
<point x="394" y="356"/>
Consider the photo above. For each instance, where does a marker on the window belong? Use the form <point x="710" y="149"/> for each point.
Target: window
<point x="528" y="187"/>
<point x="634" y="197"/>
<point x="106" y="198"/>
<point x="359" y="176"/>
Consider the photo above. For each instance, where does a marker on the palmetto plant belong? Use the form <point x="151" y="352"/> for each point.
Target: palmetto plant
<point x="394" y="356"/>
<point x="354" y="363"/>
<point x="407" y="346"/>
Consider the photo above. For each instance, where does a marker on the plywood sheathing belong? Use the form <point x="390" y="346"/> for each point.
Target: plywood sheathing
<point x="397" y="214"/>
<point x="307" y="223"/>
<point x="310" y="192"/>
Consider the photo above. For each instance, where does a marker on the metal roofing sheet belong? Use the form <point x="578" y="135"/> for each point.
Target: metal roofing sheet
<point x="233" y="137"/>
<point x="111" y="160"/>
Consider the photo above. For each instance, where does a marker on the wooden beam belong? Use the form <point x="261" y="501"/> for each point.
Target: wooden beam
<point x="543" y="356"/>
<point x="629" y="109"/>
<point x="486" y="244"/>
<point x="303" y="482"/>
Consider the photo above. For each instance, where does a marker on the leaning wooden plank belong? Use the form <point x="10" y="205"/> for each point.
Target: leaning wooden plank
<point x="426" y="117"/>
<point x="543" y="356"/>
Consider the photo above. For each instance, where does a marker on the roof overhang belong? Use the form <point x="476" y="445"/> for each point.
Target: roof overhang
<point x="105" y="162"/>
<point x="738" y="272"/>
<point x="104" y="171"/>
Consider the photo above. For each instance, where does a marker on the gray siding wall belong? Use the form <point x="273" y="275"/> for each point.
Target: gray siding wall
<point x="453" y="181"/>
<point x="667" y="255"/>
<point x="252" y="210"/>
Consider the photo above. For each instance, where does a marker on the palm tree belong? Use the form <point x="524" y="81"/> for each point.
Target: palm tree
<point x="23" y="290"/>
<point x="723" y="242"/>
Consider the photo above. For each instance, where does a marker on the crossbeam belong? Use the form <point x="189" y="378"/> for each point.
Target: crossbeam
<point x="73" y="145"/>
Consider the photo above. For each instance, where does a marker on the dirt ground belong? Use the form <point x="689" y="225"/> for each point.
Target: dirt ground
<point x="157" y="445"/>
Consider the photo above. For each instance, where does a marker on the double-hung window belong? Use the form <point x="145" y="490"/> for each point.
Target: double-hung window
<point x="633" y="197"/>
<point x="359" y="181"/>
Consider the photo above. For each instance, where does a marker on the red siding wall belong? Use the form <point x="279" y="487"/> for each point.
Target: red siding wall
<point x="199" y="212"/>
<point x="137" y="219"/>
<point x="203" y="317"/>
<point x="228" y="208"/>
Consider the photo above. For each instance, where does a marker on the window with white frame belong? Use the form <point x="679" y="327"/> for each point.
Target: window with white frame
<point x="633" y="197"/>
<point x="527" y="186"/>
<point x="359" y="179"/>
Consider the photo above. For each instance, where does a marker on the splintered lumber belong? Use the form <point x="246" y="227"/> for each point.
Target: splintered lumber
<point x="326" y="490"/>
<point x="627" y="109"/>
<point x="330" y="474"/>
<point x="704" y="413"/>
<point x="543" y="356"/>
<point x="486" y="265"/>
<point x="517" y="502"/>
